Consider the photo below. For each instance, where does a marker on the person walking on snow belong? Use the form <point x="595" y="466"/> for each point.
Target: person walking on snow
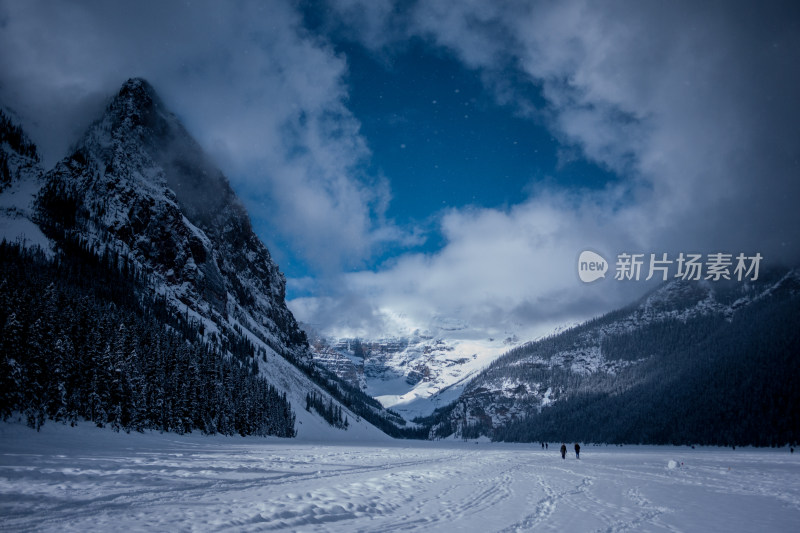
<point x="577" y="451"/>
<point x="563" y="451"/>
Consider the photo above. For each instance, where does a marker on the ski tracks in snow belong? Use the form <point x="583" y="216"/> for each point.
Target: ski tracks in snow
<point x="544" y="507"/>
<point x="98" y="481"/>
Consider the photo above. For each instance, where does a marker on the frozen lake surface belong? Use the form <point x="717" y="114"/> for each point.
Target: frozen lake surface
<point x="86" y="479"/>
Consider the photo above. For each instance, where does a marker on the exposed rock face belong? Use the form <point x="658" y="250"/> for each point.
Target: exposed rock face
<point x="137" y="183"/>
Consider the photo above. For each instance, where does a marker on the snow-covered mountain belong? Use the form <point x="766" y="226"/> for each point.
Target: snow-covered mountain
<point x="138" y="198"/>
<point x="138" y="183"/>
<point x="412" y="375"/>
<point x="138" y="188"/>
<point x="641" y="369"/>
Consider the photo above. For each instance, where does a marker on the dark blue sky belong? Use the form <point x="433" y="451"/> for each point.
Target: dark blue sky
<point x="440" y="137"/>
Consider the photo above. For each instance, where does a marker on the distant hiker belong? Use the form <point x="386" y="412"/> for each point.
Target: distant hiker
<point x="543" y="445"/>
<point x="546" y="445"/>
<point x="577" y="451"/>
<point x="563" y="451"/>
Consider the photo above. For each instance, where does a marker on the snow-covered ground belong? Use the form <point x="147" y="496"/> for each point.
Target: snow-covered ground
<point x="86" y="479"/>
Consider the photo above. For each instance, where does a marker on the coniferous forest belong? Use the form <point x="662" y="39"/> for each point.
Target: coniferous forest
<point x="330" y="412"/>
<point x="738" y="386"/>
<point x="81" y="340"/>
<point x="15" y="138"/>
<point x="710" y="380"/>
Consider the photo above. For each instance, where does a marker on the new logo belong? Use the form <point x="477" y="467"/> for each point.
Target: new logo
<point x="591" y="266"/>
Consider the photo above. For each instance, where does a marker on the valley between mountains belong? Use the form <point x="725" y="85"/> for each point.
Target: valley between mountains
<point x="136" y="295"/>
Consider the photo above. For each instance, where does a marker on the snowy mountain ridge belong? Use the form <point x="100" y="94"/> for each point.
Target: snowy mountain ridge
<point x="411" y="375"/>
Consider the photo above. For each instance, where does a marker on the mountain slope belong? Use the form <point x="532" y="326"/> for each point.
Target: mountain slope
<point x="691" y="362"/>
<point x="138" y="195"/>
<point x="20" y="179"/>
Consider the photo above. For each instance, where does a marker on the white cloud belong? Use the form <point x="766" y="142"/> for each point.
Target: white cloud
<point x="499" y="273"/>
<point x="266" y="99"/>
<point x="693" y="102"/>
<point x="694" y="106"/>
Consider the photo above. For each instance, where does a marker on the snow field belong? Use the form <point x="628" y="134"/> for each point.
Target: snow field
<point x="87" y="479"/>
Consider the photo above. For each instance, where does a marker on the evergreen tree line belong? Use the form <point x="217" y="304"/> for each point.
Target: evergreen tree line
<point x="361" y="404"/>
<point x="80" y="339"/>
<point x="13" y="135"/>
<point x="5" y="171"/>
<point x="442" y="423"/>
<point x="328" y="411"/>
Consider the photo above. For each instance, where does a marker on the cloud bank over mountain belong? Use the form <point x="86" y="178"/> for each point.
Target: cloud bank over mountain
<point x="691" y="107"/>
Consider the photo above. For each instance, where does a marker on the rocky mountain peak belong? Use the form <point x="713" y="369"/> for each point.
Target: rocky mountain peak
<point x="137" y="89"/>
<point x="140" y="184"/>
<point x="137" y="103"/>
